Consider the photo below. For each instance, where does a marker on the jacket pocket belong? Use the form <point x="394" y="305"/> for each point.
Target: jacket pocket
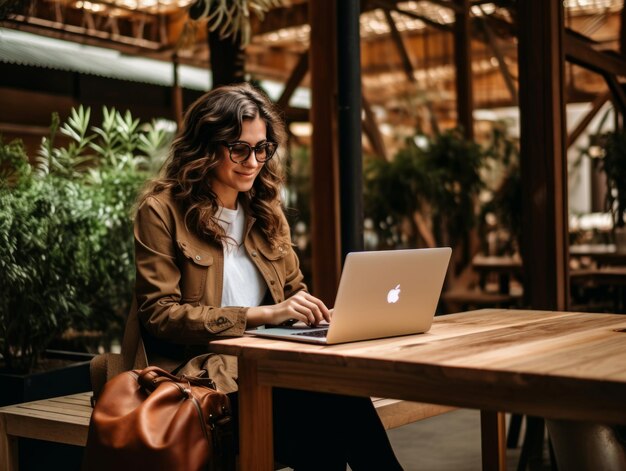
<point x="194" y="266"/>
<point x="275" y="257"/>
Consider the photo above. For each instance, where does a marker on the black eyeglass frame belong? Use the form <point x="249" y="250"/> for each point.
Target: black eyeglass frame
<point x="230" y="145"/>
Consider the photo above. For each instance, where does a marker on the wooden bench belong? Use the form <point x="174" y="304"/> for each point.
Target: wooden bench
<point x="66" y="420"/>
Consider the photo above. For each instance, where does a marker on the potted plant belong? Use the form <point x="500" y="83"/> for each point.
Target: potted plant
<point x="500" y="223"/>
<point x="614" y="167"/>
<point x="427" y="194"/>
<point x="66" y="235"/>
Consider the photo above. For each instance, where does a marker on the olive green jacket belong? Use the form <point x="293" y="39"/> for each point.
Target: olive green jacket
<point x="177" y="304"/>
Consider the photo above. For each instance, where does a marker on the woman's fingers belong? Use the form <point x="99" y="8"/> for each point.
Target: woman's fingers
<point x="324" y="312"/>
<point x="301" y="307"/>
<point x="312" y="307"/>
<point x="305" y="312"/>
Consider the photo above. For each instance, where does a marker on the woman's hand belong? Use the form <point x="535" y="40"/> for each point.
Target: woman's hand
<point x="301" y="306"/>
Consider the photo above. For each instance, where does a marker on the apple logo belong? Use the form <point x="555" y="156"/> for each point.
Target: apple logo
<point x="393" y="295"/>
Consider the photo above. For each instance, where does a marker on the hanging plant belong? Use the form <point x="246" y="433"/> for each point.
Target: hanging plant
<point x="231" y="18"/>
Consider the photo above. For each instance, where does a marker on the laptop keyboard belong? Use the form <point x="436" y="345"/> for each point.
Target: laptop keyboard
<point x="313" y="333"/>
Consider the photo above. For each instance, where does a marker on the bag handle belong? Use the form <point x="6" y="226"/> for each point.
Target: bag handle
<point x="150" y="377"/>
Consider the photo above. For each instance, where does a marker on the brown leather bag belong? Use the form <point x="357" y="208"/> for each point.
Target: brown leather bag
<point x="151" y="419"/>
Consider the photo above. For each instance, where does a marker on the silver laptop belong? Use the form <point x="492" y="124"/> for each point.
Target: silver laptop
<point x="381" y="294"/>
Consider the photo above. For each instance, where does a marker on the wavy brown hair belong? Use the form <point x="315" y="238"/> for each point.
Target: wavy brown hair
<point x="215" y="117"/>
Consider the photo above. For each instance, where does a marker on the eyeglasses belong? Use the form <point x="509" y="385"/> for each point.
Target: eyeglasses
<point x="240" y="151"/>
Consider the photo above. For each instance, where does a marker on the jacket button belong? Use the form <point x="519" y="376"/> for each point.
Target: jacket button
<point x="272" y="282"/>
<point x="253" y="253"/>
<point x="198" y="257"/>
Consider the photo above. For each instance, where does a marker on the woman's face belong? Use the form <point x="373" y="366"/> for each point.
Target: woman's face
<point x="230" y="178"/>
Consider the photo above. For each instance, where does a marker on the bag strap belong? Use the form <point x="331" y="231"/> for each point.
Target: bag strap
<point x="133" y="348"/>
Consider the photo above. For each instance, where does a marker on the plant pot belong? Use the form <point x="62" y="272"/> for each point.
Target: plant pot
<point x="69" y="374"/>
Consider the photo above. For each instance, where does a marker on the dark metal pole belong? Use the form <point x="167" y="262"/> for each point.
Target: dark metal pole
<point x="349" y="126"/>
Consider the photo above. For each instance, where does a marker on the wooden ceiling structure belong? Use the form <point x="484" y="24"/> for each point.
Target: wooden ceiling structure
<point x="424" y="65"/>
<point x="409" y="67"/>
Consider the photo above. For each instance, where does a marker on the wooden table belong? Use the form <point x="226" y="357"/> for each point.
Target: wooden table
<point x="609" y="276"/>
<point x="603" y="254"/>
<point x="503" y="266"/>
<point x="546" y="364"/>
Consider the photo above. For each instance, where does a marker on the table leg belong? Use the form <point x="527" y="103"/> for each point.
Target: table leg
<point x="493" y="440"/>
<point x="8" y="448"/>
<point x="256" y="444"/>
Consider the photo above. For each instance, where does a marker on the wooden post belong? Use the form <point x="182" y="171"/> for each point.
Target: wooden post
<point x="545" y="248"/>
<point x="228" y="60"/>
<point x="463" y="66"/>
<point x="324" y="151"/>
<point x="177" y="94"/>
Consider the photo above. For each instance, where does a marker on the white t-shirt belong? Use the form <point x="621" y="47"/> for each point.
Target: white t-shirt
<point x="243" y="283"/>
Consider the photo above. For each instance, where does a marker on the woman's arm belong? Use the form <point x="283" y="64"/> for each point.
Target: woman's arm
<point x="298" y="304"/>
<point x="157" y="287"/>
<point x="302" y="306"/>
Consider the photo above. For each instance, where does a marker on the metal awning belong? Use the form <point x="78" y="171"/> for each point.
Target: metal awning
<point x="19" y="47"/>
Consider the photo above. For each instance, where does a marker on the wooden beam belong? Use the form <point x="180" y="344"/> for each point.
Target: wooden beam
<point x="301" y="115"/>
<point x="455" y="7"/>
<point x="228" y="59"/>
<point x="504" y="70"/>
<point x="177" y="94"/>
<point x="407" y="66"/>
<point x="325" y="235"/>
<point x="16" y="128"/>
<point x="372" y="131"/>
<point x="463" y="66"/>
<point x="298" y="73"/>
<point x="290" y="16"/>
<point x="543" y="156"/>
<point x="580" y="51"/>
<point x="82" y="35"/>
<point x="596" y="106"/>
<point x="390" y="5"/>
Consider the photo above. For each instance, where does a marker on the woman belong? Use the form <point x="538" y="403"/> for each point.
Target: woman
<point x="214" y="257"/>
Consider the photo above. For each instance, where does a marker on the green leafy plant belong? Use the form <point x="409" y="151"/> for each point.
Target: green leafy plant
<point x="66" y="258"/>
<point x="45" y="263"/>
<point x="614" y="166"/>
<point x="607" y="149"/>
<point x="502" y="212"/>
<point x="427" y="194"/>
